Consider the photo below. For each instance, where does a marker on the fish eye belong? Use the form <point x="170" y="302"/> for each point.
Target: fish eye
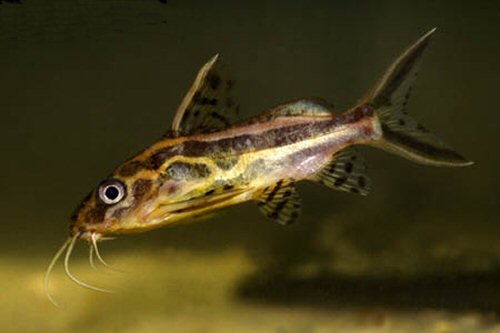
<point x="111" y="191"/>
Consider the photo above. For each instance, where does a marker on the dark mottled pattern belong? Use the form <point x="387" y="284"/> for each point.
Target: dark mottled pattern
<point x="140" y="188"/>
<point x="275" y="190"/>
<point x="208" y="101"/>
<point x="198" y="98"/>
<point x="222" y="185"/>
<point x="280" y="202"/>
<point x="253" y="169"/>
<point x="279" y="207"/>
<point x="344" y="173"/>
<point x="157" y="159"/>
<point x="221" y="118"/>
<point x="187" y="171"/>
<point x="348" y="167"/>
<point x="97" y="213"/>
<point x="243" y="143"/>
<point x="226" y="163"/>
<point x="210" y="192"/>
<point x="340" y="181"/>
<point x="213" y="80"/>
<point x="131" y="168"/>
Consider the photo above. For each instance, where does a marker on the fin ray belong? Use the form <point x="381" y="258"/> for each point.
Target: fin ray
<point x="207" y="105"/>
<point x="345" y="173"/>
<point x="280" y="202"/>
<point x="401" y="133"/>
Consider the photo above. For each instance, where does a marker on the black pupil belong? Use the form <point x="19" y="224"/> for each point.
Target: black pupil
<point x="112" y="192"/>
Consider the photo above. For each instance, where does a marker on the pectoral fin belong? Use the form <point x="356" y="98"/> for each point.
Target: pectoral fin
<point x="280" y="202"/>
<point x="345" y="172"/>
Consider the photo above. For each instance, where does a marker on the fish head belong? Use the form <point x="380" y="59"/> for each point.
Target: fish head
<point x="145" y="199"/>
<point x="112" y="206"/>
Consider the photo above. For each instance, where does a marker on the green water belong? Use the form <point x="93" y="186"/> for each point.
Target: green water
<point x="84" y="85"/>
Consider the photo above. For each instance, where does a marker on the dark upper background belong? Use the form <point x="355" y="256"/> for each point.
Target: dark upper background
<point x="86" y="84"/>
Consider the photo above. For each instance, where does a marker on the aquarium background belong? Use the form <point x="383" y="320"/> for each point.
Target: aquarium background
<point x="86" y="84"/>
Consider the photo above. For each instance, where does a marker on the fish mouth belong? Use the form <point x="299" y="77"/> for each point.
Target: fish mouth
<point x="94" y="232"/>
<point x="89" y="235"/>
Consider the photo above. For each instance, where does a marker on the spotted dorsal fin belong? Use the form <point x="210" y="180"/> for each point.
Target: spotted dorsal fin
<point x="280" y="202"/>
<point x="345" y="173"/>
<point x="302" y="107"/>
<point x="207" y="105"/>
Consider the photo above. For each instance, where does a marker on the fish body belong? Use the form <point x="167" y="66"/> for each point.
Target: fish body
<point x="178" y="178"/>
<point x="206" y="162"/>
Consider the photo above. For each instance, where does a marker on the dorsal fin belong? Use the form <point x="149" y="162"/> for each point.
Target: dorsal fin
<point x="302" y="107"/>
<point x="345" y="173"/>
<point x="280" y="202"/>
<point x="207" y="105"/>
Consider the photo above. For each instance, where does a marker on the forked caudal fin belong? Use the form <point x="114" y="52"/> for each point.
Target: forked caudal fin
<point x="402" y="135"/>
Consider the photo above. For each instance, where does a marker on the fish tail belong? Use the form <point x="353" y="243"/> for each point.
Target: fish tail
<point x="401" y="134"/>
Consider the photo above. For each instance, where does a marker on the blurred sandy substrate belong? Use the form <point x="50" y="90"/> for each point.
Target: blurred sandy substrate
<point x="183" y="292"/>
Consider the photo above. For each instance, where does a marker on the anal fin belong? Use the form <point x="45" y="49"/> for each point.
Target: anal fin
<point x="345" y="173"/>
<point x="280" y="202"/>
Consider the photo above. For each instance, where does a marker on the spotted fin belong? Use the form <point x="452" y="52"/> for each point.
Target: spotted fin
<point x="345" y="173"/>
<point x="280" y="202"/>
<point x="207" y="105"/>
<point x="402" y="134"/>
